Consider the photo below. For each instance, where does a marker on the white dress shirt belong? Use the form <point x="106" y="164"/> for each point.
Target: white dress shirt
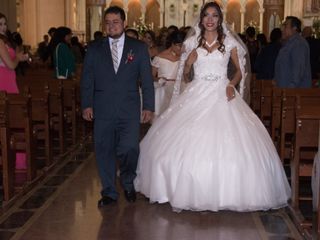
<point x="120" y="45"/>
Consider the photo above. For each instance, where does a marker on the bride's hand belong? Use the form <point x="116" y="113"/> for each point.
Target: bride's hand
<point x="231" y="92"/>
<point x="192" y="57"/>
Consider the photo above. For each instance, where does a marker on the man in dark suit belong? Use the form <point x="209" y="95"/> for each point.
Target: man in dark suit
<point x="110" y="95"/>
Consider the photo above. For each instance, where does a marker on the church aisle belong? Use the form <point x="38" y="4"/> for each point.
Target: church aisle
<point x="71" y="213"/>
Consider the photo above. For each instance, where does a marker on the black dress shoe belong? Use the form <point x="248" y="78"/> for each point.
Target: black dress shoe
<point x="130" y="196"/>
<point x="105" y="200"/>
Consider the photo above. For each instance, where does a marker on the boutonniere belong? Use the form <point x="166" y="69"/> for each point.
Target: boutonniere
<point x="130" y="57"/>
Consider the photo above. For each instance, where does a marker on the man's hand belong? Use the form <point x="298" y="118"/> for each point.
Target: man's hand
<point x="87" y="114"/>
<point x="146" y="116"/>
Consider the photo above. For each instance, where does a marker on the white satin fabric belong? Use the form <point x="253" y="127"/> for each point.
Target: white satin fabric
<point x="205" y="153"/>
<point x="163" y="88"/>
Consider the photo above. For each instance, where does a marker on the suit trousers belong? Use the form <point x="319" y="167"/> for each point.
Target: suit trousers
<point x="116" y="140"/>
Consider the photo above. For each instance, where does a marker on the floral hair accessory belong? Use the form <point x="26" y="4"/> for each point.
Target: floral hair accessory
<point x="130" y="57"/>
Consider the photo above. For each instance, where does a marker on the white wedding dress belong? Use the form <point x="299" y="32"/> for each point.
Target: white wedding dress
<point x="205" y="153"/>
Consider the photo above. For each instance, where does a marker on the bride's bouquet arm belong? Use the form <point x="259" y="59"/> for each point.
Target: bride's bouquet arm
<point x="230" y="90"/>
<point x="188" y="65"/>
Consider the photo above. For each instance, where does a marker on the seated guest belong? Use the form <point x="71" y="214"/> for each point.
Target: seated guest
<point x="149" y="38"/>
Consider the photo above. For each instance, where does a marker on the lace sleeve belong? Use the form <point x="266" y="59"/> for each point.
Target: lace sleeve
<point x="188" y="45"/>
<point x="233" y="41"/>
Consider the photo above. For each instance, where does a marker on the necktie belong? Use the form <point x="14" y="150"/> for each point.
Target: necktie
<point x="114" y="52"/>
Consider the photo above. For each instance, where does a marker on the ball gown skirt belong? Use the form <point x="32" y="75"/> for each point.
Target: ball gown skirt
<point x="205" y="153"/>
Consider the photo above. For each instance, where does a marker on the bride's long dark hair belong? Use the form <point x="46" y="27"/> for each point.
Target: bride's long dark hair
<point x="220" y="32"/>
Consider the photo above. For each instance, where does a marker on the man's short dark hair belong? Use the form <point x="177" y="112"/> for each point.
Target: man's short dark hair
<point x="295" y="22"/>
<point x="97" y="35"/>
<point x="116" y="10"/>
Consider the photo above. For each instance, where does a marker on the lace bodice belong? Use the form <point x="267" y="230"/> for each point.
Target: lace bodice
<point x="213" y="66"/>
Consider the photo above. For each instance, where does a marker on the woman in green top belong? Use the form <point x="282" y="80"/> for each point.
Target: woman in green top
<point x="64" y="60"/>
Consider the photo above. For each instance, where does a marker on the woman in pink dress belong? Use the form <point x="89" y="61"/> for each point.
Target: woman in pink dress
<point x="9" y="59"/>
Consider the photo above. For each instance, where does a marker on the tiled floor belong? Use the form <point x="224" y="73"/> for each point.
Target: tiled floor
<point x="65" y="207"/>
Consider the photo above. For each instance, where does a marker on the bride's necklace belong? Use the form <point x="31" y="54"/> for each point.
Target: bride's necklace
<point x="211" y="44"/>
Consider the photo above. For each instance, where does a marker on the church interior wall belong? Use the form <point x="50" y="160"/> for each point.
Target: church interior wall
<point x="33" y="18"/>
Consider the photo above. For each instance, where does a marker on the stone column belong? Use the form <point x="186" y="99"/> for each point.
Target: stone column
<point x="184" y="12"/>
<point x="108" y="3"/>
<point x="242" y="12"/>
<point x="287" y="8"/>
<point x="162" y="21"/>
<point x="28" y="22"/>
<point x="261" y="11"/>
<point x="143" y="11"/>
<point x="125" y="7"/>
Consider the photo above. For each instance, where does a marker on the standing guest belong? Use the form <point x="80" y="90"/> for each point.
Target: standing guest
<point x="265" y="61"/>
<point x="43" y="48"/>
<point x="164" y="70"/>
<point x="110" y="95"/>
<point x="97" y="35"/>
<point x="314" y="45"/>
<point x="149" y="37"/>
<point x="262" y="40"/>
<point x="292" y="68"/>
<point x="132" y="33"/>
<point x="20" y="47"/>
<point x="77" y="50"/>
<point x="162" y="38"/>
<point x="252" y="45"/>
<point x="172" y="28"/>
<point x="9" y="59"/>
<point x="50" y="49"/>
<point x="64" y="60"/>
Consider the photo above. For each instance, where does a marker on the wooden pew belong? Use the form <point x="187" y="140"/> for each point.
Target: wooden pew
<point x="57" y="112"/>
<point x="266" y="102"/>
<point x="70" y="108"/>
<point x="306" y="136"/>
<point x="255" y="96"/>
<point x="7" y="158"/>
<point x="20" y="123"/>
<point x="37" y="84"/>
<point x="288" y="105"/>
<point x="276" y="116"/>
<point x="41" y="123"/>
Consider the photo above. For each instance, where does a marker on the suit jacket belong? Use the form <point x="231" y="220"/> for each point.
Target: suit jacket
<point x="116" y="95"/>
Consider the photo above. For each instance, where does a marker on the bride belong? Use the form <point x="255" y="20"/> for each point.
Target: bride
<point x="208" y="150"/>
